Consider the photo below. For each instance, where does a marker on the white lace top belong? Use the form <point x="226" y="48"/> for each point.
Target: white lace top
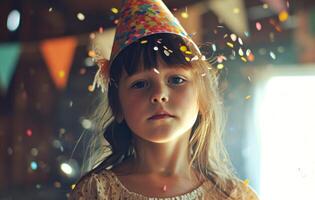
<point x="106" y="186"/>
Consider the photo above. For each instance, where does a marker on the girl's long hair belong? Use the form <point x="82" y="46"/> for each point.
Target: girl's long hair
<point x="112" y="143"/>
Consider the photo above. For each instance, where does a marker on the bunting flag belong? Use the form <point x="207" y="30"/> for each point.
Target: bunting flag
<point x="9" y="55"/>
<point x="276" y="5"/>
<point x="232" y="13"/>
<point x="58" y="54"/>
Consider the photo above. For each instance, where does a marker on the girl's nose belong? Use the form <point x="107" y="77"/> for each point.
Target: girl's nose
<point x="159" y="94"/>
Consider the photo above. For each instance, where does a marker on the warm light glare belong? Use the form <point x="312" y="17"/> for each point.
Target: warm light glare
<point x="285" y="116"/>
<point x="13" y="20"/>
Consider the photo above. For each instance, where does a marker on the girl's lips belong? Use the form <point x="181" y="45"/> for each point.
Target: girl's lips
<point x="161" y="116"/>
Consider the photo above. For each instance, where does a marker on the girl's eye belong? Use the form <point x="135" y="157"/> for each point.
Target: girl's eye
<point x="139" y="84"/>
<point x="176" y="80"/>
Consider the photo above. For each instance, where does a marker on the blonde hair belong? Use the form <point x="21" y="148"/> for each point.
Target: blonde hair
<point x="208" y="154"/>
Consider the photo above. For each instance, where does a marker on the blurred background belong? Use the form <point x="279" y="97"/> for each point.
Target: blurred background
<point x="265" y="50"/>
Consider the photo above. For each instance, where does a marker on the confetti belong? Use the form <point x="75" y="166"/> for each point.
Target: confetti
<point x="90" y="88"/>
<point x="70" y="103"/>
<point x="61" y="74"/>
<point x="80" y="16"/>
<point x="50" y="9"/>
<point x="183" y="48"/>
<point x="248" y="97"/>
<point x="166" y="53"/>
<point x="33" y="165"/>
<point x="248" y="52"/>
<point x="144" y="41"/>
<point x="230" y="44"/>
<point x="251" y="57"/>
<point x="246" y="34"/>
<point x="246" y="182"/>
<point x="115" y="10"/>
<point x="272" y="55"/>
<point x="220" y="66"/>
<point x="240" y="52"/>
<point x="92" y="53"/>
<point x="155" y="48"/>
<point x="249" y="78"/>
<point x="156" y="70"/>
<point x="116" y="21"/>
<point x="233" y="37"/>
<point x="187" y="59"/>
<point x="265" y="6"/>
<point x="195" y="58"/>
<point x="283" y="16"/>
<point x="188" y="52"/>
<point x="214" y="47"/>
<point x="29" y="132"/>
<point x="240" y="41"/>
<point x="164" y="188"/>
<point x="100" y="29"/>
<point x="244" y="59"/>
<point x="72" y="186"/>
<point x="258" y="26"/>
<point x="184" y="15"/>
<point x="220" y="58"/>
<point x="203" y="57"/>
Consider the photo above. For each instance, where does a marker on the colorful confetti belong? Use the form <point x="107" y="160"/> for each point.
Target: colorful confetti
<point x="233" y="37"/>
<point x="220" y="66"/>
<point x="214" y="47"/>
<point x="244" y="59"/>
<point x="114" y="10"/>
<point x="258" y="26"/>
<point x="34" y="165"/>
<point x="80" y="16"/>
<point x="240" y="41"/>
<point x="240" y="52"/>
<point x="283" y="16"/>
<point x="156" y="70"/>
<point x="230" y="44"/>
<point x="272" y="55"/>
<point x="183" y="48"/>
<point x="248" y="97"/>
<point x="155" y="48"/>
<point x="144" y="42"/>
<point x="166" y="53"/>
<point x="29" y="132"/>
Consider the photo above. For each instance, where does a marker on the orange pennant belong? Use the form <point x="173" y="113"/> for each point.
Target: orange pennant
<point x="58" y="55"/>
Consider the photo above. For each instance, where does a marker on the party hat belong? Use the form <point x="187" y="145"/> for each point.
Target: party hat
<point x="141" y="18"/>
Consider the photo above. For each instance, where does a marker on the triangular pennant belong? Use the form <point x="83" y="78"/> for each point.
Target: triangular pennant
<point x="58" y="55"/>
<point x="232" y="13"/>
<point x="9" y="55"/>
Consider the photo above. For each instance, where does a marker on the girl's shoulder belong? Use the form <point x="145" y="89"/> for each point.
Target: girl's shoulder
<point x="95" y="185"/>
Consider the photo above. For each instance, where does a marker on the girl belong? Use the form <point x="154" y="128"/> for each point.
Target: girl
<point x="162" y="118"/>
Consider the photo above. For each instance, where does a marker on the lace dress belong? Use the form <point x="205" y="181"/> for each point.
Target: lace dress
<point x="106" y="186"/>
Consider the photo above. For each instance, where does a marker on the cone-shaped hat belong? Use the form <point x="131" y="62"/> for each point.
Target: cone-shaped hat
<point x="140" y="18"/>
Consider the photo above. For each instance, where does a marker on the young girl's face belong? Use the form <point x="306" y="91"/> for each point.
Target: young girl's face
<point x="159" y="104"/>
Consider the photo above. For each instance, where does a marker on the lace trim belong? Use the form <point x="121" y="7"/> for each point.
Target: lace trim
<point x="193" y="195"/>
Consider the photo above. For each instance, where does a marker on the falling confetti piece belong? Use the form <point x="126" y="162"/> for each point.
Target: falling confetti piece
<point x="220" y="66"/>
<point x="258" y="26"/>
<point x="70" y="103"/>
<point x="230" y="44"/>
<point x="72" y="186"/>
<point x="188" y="52"/>
<point x="248" y="97"/>
<point x="265" y="6"/>
<point x="246" y="182"/>
<point x="246" y="34"/>
<point x="156" y="70"/>
<point x="29" y="132"/>
<point x="156" y="48"/>
<point x="80" y="16"/>
<point x="144" y="41"/>
<point x="240" y="52"/>
<point x="115" y="10"/>
<point x="249" y="78"/>
<point x="272" y="55"/>
<point x="116" y="21"/>
<point x="244" y="59"/>
<point x="184" y="15"/>
<point x="90" y="88"/>
<point x="61" y="74"/>
<point x="92" y="54"/>
<point x="183" y="48"/>
<point x="233" y="37"/>
<point x="248" y="52"/>
<point x="100" y="29"/>
<point x="251" y="57"/>
<point x="164" y="188"/>
<point x="50" y="9"/>
<point x="283" y="16"/>
<point x="240" y="41"/>
<point x="214" y="47"/>
<point x="187" y="59"/>
<point x="195" y="58"/>
<point x="203" y="57"/>
<point x="221" y="58"/>
<point x="33" y="165"/>
<point x="165" y="47"/>
<point x="166" y="53"/>
<point x="203" y="75"/>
